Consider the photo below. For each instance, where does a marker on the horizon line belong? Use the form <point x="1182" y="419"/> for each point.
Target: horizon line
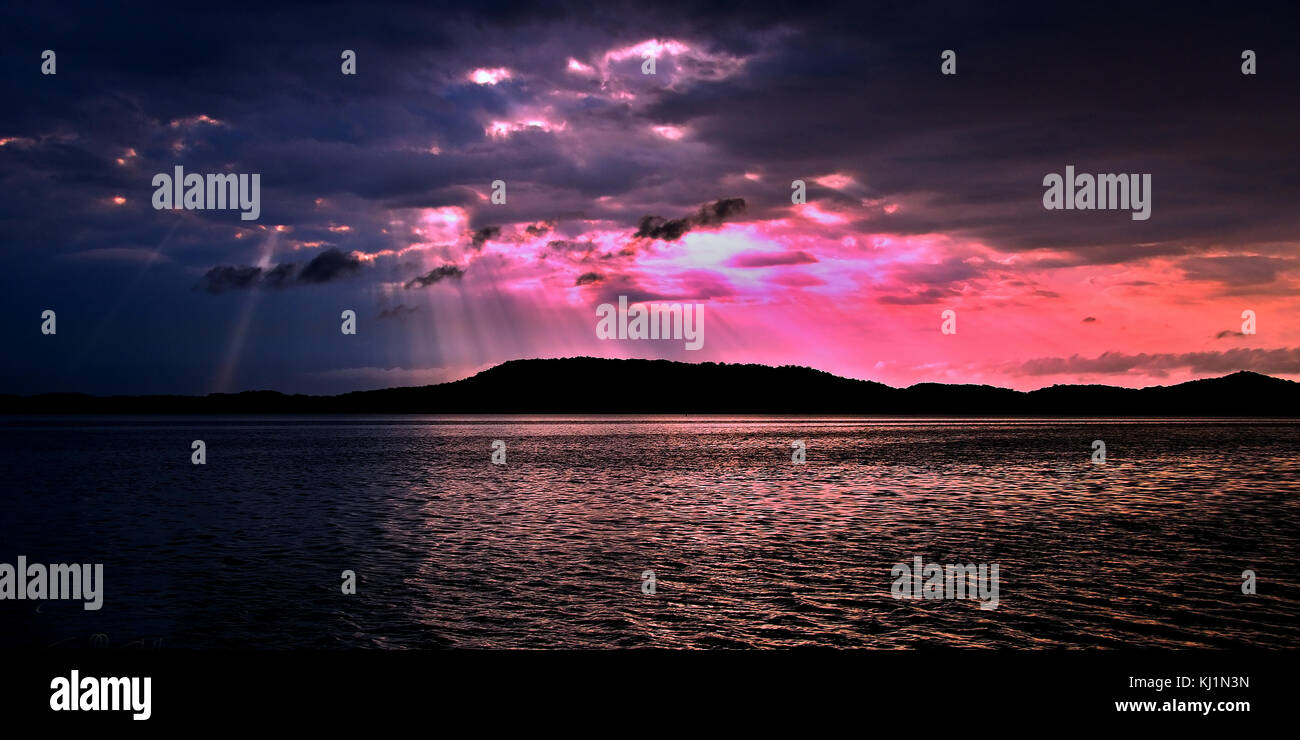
<point x="639" y="359"/>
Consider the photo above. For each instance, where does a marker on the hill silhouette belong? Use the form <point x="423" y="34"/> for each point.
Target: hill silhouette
<point x="583" y="385"/>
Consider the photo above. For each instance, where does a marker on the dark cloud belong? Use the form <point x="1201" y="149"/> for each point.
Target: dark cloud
<point x="655" y="227"/>
<point x="710" y="214"/>
<point x="436" y="275"/>
<point x="1089" y="319"/>
<point x="329" y="265"/>
<point x="222" y="278"/>
<point x="324" y="267"/>
<point x="539" y="229"/>
<point x="588" y="278"/>
<point x="481" y="236"/>
<point x="718" y="211"/>
<point x="565" y="247"/>
<point x="279" y="275"/>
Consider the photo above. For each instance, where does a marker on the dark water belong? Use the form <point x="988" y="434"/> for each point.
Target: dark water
<point x="748" y="549"/>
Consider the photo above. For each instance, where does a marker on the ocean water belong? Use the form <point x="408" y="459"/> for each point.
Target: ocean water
<point x="748" y="549"/>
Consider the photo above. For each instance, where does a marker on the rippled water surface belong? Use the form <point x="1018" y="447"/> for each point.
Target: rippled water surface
<point x="748" y="549"/>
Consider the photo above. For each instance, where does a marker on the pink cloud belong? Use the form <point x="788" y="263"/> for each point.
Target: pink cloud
<point x="770" y="259"/>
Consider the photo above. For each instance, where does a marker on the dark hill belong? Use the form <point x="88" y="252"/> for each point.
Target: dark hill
<point x="591" y="385"/>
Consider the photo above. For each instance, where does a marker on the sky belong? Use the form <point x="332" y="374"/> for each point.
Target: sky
<point x="924" y="191"/>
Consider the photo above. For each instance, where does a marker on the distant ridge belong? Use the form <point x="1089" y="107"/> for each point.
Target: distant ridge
<point x="588" y="385"/>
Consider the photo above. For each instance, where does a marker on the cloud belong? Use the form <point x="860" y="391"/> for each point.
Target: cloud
<point x="950" y="270"/>
<point x="720" y="210"/>
<point x="564" y="246"/>
<point x="920" y="297"/>
<point x="1235" y="270"/>
<point x="481" y="236"/>
<point x="435" y="276"/>
<point x="329" y="265"/>
<point x="1268" y="361"/>
<point x="655" y="227"/>
<point x="222" y="278"/>
<point x="772" y="259"/>
<point x="710" y="214"/>
<point x="279" y="275"/>
<point x="589" y="278"/>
